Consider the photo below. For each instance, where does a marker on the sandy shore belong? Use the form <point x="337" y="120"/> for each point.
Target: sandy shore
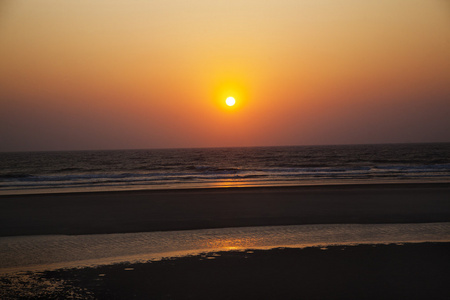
<point x="410" y="271"/>
<point x="144" y="211"/>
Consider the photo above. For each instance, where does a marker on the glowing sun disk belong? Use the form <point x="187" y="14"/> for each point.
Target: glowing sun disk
<point x="230" y="101"/>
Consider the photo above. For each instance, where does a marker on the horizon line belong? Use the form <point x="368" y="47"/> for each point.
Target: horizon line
<point x="227" y="147"/>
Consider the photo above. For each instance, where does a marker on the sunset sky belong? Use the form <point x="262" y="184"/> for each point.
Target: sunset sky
<point x="105" y="74"/>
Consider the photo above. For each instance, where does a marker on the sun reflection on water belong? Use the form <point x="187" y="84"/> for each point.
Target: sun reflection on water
<point x="231" y="244"/>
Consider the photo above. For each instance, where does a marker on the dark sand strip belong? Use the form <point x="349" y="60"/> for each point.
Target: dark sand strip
<point x="411" y="271"/>
<point x="143" y="211"/>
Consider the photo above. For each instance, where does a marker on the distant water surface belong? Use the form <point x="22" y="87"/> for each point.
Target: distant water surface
<point x="44" y="172"/>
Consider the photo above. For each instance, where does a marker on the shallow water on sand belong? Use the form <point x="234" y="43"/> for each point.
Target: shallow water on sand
<point x="36" y="253"/>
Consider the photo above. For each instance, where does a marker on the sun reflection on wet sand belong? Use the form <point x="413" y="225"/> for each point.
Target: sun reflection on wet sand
<point x="226" y="183"/>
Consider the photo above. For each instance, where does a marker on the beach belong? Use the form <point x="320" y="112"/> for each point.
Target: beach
<point x="145" y="211"/>
<point x="410" y="271"/>
<point x="367" y="271"/>
<point x="224" y="150"/>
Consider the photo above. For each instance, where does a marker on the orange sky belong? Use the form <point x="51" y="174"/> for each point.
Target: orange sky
<point x="155" y="74"/>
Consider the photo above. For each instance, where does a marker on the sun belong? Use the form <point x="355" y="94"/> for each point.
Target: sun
<point x="230" y="101"/>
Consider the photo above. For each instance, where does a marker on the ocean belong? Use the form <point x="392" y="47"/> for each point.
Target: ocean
<point x="79" y="171"/>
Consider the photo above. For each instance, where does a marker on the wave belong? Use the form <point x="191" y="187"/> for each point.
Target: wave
<point x="14" y="175"/>
<point x="414" y="168"/>
<point x="223" y="165"/>
<point x="219" y="172"/>
<point x="212" y="169"/>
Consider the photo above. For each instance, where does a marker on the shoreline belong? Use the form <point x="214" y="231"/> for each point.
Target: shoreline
<point x="166" y="210"/>
<point x="409" y="184"/>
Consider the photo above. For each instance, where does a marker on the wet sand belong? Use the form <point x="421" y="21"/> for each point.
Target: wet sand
<point x="410" y="271"/>
<point x="145" y="211"/>
<point x="153" y="210"/>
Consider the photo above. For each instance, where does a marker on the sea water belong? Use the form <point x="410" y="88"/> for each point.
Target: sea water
<point x="78" y="171"/>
